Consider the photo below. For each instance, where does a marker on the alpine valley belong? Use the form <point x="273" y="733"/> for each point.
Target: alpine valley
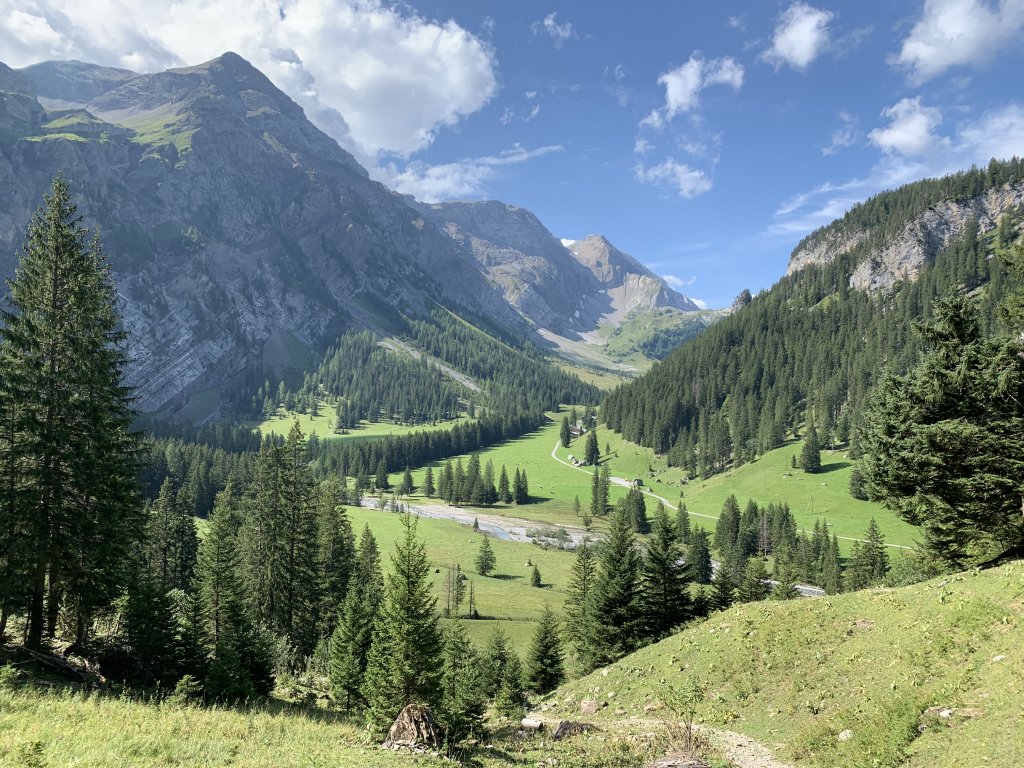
<point x="294" y="467"/>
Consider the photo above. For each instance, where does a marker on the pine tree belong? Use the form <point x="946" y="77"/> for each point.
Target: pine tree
<point x="380" y="480"/>
<point x="683" y="523"/>
<point x="350" y="643"/>
<point x="335" y="557"/>
<point x="545" y="665"/>
<point x="858" y="487"/>
<point x="509" y="700"/>
<point x="698" y="559"/>
<point x="754" y="586"/>
<point x="504" y="493"/>
<point x="810" y="454"/>
<point x="404" y="663"/>
<point x="727" y="528"/>
<point x="617" y="591"/>
<point x="591" y="453"/>
<point x="66" y="445"/>
<point x="581" y="625"/>
<point x="462" y="700"/>
<point x="171" y="541"/>
<point x="406" y="487"/>
<point x="535" y="578"/>
<point x="428" y="483"/>
<point x="485" y="559"/>
<point x="564" y="435"/>
<point x="785" y="587"/>
<point x="495" y="659"/>
<point x="665" y="598"/>
<point x="724" y="591"/>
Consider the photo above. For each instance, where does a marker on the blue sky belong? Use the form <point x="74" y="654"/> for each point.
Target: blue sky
<point x="704" y="138"/>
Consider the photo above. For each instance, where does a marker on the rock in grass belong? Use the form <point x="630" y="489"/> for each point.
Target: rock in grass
<point x="414" y="728"/>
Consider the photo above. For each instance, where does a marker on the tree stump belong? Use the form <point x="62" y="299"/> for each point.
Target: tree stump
<point x="414" y="728"/>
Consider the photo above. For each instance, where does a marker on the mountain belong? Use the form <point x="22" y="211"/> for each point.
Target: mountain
<point x="236" y="229"/>
<point x="575" y="293"/>
<point x="813" y="345"/>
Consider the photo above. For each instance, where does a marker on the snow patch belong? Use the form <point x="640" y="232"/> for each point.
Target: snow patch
<point x="568" y="243"/>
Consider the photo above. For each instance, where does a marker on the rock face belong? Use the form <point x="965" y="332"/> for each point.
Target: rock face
<point x="902" y="256"/>
<point x="568" y="288"/>
<point x="229" y="219"/>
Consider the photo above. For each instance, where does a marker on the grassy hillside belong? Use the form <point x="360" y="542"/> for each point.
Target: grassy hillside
<point x="322" y="425"/>
<point x="868" y="665"/>
<point x="41" y="727"/>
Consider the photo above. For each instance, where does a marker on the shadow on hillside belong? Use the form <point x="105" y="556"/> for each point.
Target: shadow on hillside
<point x="835" y="466"/>
<point x="504" y="577"/>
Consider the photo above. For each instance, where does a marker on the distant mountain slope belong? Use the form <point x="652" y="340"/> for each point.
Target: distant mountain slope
<point x="575" y="293"/>
<point x="229" y="218"/>
<point x="813" y="345"/>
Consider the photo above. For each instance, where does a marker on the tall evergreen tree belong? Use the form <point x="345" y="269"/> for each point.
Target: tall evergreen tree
<point x="810" y="454"/>
<point x="591" y="453"/>
<point x="942" y="444"/>
<point x="404" y="664"/>
<point x="462" y="700"/>
<point x="581" y="625"/>
<point x="564" y="435"/>
<point x="350" y="642"/>
<point x="545" y="666"/>
<point x="724" y="590"/>
<point x="698" y="559"/>
<point x="665" y="598"/>
<point x="504" y="493"/>
<point x="67" y="450"/>
<point x="335" y="557"/>
<point x="495" y="659"/>
<point x="754" y="585"/>
<point x="485" y="559"/>
<point x="683" y="522"/>
<point x="428" y="483"/>
<point x="617" y="591"/>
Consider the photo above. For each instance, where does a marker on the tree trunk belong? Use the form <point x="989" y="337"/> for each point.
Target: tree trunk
<point x="53" y="601"/>
<point x="5" y="612"/>
<point x="34" y="635"/>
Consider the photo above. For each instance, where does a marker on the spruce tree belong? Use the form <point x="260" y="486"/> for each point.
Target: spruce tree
<point x="504" y="493"/>
<point x="810" y="454"/>
<point x="485" y="559"/>
<point x="380" y="480"/>
<point x="462" y="700"/>
<point x="406" y="487"/>
<point x="617" y="591"/>
<point x="723" y="590"/>
<point x="564" y="435"/>
<point x="591" y="453"/>
<point x="509" y="700"/>
<point x="404" y="663"/>
<point x="683" y="523"/>
<point x="698" y="559"/>
<point x="350" y="643"/>
<point x="428" y="483"/>
<point x="581" y="625"/>
<point x="66" y="444"/>
<point x="535" y="578"/>
<point x="494" y="660"/>
<point x="754" y="586"/>
<point x="545" y="665"/>
<point x="665" y="597"/>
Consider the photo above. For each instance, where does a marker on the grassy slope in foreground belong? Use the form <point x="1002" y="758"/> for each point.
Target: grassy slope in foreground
<point x="795" y="675"/>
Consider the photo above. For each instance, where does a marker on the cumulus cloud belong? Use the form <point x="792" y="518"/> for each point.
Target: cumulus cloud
<point x="559" y="33"/>
<point x="376" y="76"/>
<point x="678" y="282"/>
<point x="684" y="84"/>
<point x="911" y="128"/>
<point x="801" y="35"/>
<point x="912" y="152"/>
<point x="686" y="181"/>
<point x="958" y="32"/>
<point x="466" y="178"/>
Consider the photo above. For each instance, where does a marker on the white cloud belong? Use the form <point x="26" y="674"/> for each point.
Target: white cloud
<point x="375" y="75"/>
<point x="801" y="35"/>
<point x="678" y="282"/>
<point x="737" y="22"/>
<point x="701" y="304"/>
<point x="559" y="33"/>
<point x="959" y="32"/>
<point x="911" y="129"/>
<point x="997" y="133"/>
<point x="843" y="136"/>
<point x="688" y="182"/>
<point x="684" y="84"/>
<point x="463" y="179"/>
<point x="510" y="114"/>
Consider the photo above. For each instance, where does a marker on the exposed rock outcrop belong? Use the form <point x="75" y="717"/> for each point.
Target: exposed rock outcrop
<point x="902" y="255"/>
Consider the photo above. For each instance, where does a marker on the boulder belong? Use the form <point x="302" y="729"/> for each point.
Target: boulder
<point x="529" y="724"/>
<point x="567" y="728"/>
<point x="589" y="707"/>
<point x="414" y="728"/>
